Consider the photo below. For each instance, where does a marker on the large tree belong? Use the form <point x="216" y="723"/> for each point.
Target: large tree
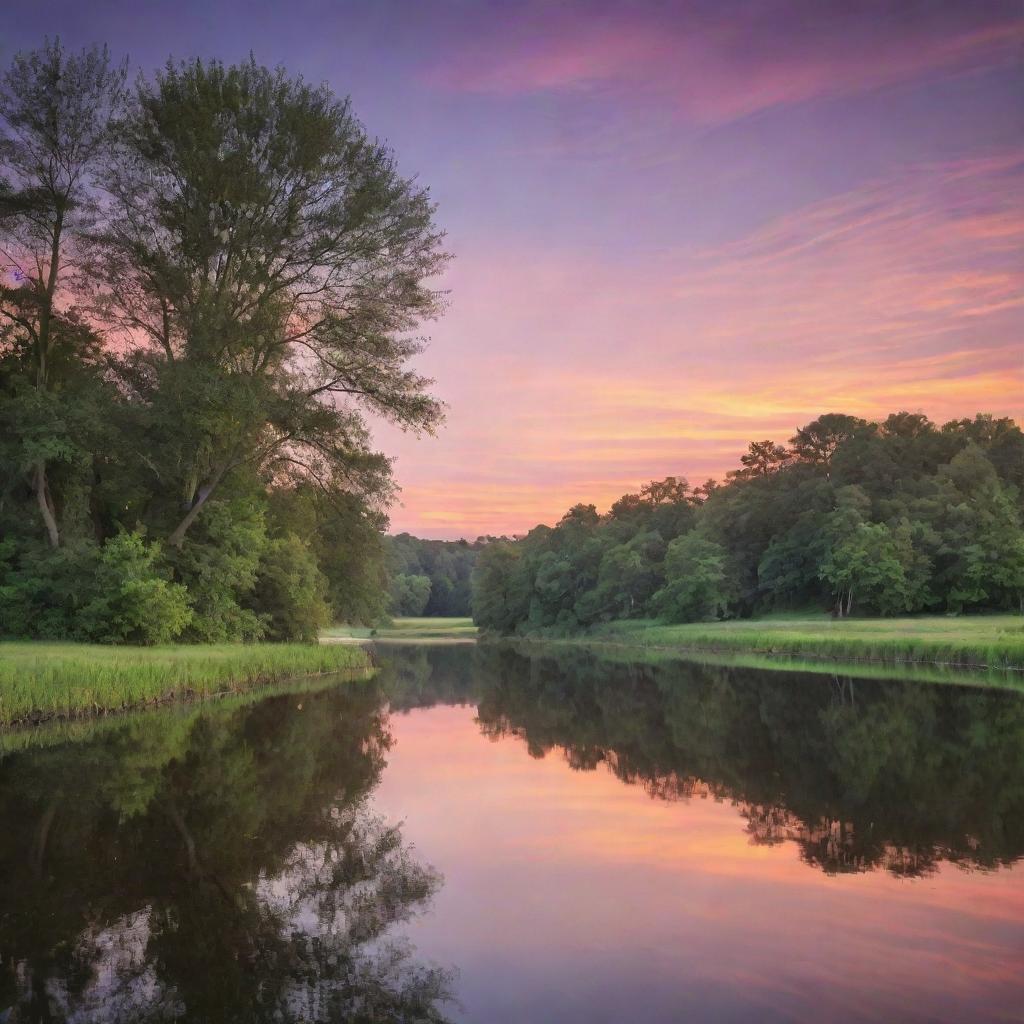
<point x="57" y="110"/>
<point x="269" y="264"/>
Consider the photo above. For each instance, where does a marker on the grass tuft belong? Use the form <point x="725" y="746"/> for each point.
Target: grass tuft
<point x="42" y="681"/>
<point x="979" y="641"/>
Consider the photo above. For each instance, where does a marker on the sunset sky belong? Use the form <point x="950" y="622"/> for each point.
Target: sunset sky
<point x="677" y="226"/>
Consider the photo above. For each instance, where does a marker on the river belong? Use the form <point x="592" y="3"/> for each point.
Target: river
<point x="483" y="835"/>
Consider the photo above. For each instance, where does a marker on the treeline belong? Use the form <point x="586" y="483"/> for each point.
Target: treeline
<point x="853" y="516"/>
<point x="207" y="280"/>
<point x="430" y="577"/>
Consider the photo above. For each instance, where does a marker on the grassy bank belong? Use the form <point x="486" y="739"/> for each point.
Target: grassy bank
<point x="419" y="630"/>
<point x="983" y="641"/>
<point x="41" y="681"/>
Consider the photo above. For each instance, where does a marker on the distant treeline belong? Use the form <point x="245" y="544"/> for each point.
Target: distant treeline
<point x="431" y="577"/>
<point x="883" y="518"/>
<point x="208" y="280"/>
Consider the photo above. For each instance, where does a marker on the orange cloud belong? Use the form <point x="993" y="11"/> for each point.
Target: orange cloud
<point x="600" y="375"/>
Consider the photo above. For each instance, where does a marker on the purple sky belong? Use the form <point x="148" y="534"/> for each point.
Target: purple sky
<point x="677" y="227"/>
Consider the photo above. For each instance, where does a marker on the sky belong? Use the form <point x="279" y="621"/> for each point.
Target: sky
<point x="677" y="227"/>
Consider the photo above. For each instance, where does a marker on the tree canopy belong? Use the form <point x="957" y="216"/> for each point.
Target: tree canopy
<point x="884" y="518"/>
<point x="211" y="283"/>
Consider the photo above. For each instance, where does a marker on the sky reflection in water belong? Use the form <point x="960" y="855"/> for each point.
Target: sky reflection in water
<point x="550" y="838"/>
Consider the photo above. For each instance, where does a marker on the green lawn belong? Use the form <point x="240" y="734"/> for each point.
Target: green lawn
<point x="407" y="629"/>
<point x="992" y="641"/>
<point x="39" y="681"/>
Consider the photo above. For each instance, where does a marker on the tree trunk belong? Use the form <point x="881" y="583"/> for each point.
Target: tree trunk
<point x="46" y="505"/>
<point x="177" y="538"/>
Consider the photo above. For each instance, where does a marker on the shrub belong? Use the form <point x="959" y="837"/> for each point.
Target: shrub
<point x="132" y="601"/>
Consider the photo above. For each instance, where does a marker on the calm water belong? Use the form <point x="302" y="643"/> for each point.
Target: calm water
<point x="481" y="836"/>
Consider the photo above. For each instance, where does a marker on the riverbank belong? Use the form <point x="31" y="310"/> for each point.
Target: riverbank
<point x="975" y="642"/>
<point x="416" y="630"/>
<point x="44" y="681"/>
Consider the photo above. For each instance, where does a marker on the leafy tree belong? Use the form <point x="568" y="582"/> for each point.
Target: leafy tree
<point x="409" y="594"/>
<point x="250" y="270"/>
<point x="290" y="593"/>
<point x="220" y="568"/>
<point x="863" y="562"/>
<point x="698" y="582"/>
<point x="56" y="113"/>
<point x="819" y="440"/>
<point x="762" y="458"/>
<point x="273" y="261"/>
<point x="501" y="588"/>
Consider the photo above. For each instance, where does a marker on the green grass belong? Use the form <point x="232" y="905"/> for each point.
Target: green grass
<point x="980" y="641"/>
<point x="41" y="681"/>
<point x="407" y="629"/>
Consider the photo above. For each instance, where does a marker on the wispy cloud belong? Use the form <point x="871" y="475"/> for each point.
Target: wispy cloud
<point x="904" y="293"/>
<point x="735" y="61"/>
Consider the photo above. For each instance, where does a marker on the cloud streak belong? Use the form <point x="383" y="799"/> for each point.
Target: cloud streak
<point x="904" y="293"/>
<point x="719" y="65"/>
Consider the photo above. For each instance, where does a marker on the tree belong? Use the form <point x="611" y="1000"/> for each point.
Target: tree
<point x="409" y="594"/>
<point x="981" y="560"/>
<point x="500" y="587"/>
<point x="762" y="458"/>
<point x="290" y="593"/>
<point x="56" y="115"/>
<point x="866" y="565"/>
<point x="698" y="581"/>
<point x="818" y="441"/>
<point x="272" y="262"/>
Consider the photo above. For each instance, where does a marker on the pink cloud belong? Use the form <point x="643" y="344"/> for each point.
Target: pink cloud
<point x="720" y="70"/>
<point x="600" y="374"/>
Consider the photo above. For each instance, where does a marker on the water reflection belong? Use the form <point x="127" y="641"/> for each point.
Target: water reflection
<point x="861" y="774"/>
<point x="213" y="865"/>
<point x="226" y="863"/>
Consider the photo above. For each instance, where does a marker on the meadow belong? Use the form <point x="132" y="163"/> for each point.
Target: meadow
<point x="979" y="641"/>
<point x="42" y="681"/>
<point x="424" y="628"/>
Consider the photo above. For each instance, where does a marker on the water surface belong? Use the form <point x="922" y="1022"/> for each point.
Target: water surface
<point x="478" y="835"/>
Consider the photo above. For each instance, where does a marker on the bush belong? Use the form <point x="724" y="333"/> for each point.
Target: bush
<point x="41" y="589"/>
<point x="117" y="593"/>
<point x="133" y="601"/>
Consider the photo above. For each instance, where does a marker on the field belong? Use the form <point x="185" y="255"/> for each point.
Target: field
<point x="419" y="630"/>
<point x="981" y="641"/>
<point x="40" y="681"/>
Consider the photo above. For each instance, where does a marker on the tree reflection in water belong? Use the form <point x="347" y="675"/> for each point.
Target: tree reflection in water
<point x="213" y="865"/>
<point x="861" y="774"/>
<point x="222" y="863"/>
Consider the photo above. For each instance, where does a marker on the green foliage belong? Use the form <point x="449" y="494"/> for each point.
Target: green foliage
<point x="220" y="568"/>
<point x="873" y="518"/>
<point x="42" y="589"/>
<point x="447" y="564"/>
<point x="698" y="586"/>
<point x="290" y="593"/>
<point x="409" y="594"/>
<point x="134" y="602"/>
<point x="208" y="282"/>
